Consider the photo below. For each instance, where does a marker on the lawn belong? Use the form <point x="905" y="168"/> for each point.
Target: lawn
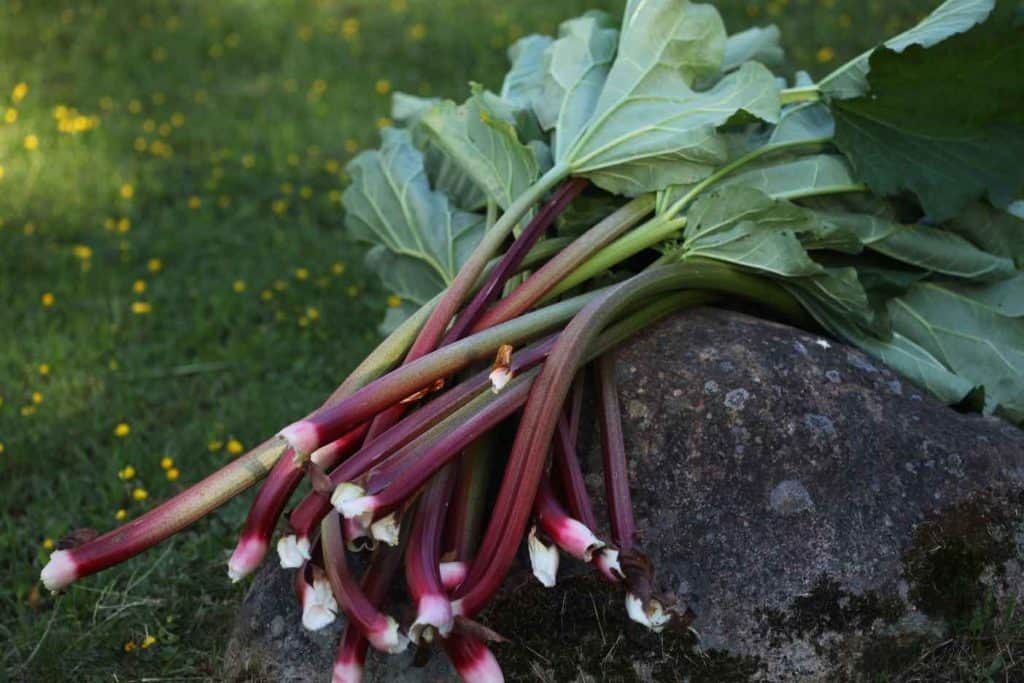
<point x="175" y="282"/>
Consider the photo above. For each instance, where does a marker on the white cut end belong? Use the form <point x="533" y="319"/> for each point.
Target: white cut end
<point x="499" y="378"/>
<point x="352" y="502"/>
<point x="576" y="539"/>
<point x="318" y="605"/>
<point x="388" y="639"/>
<point x="457" y="608"/>
<point x="347" y="672"/>
<point x="247" y="557"/>
<point x="607" y="562"/>
<point x="652" y="615"/>
<point x="452" y="574"/>
<point x="292" y="551"/>
<point x="543" y="559"/>
<point x="302" y="437"/>
<point x="324" y="453"/>
<point x="433" y="613"/>
<point x="386" y="529"/>
<point x="59" y="571"/>
<point x="357" y="535"/>
<point x="483" y="669"/>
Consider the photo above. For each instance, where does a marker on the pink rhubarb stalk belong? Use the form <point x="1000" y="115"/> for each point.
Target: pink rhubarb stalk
<point x="568" y="534"/>
<point x="423" y="560"/>
<point x="380" y="629"/>
<point x="473" y="660"/>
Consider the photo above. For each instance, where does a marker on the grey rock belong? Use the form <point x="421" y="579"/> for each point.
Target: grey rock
<point x="819" y="530"/>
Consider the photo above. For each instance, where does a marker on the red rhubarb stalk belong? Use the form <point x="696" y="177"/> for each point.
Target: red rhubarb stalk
<point x="423" y="561"/>
<point x="569" y="534"/>
<point x="616" y="469"/>
<point x="473" y="660"/>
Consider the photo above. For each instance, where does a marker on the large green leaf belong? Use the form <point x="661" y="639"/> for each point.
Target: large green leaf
<point x="525" y="78"/>
<point x="922" y="246"/>
<point x="445" y="175"/>
<point x="1005" y="297"/>
<point x="576" y="67"/>
<point x="944" y="122"/>
<point x="950" y="18"/>
<point x="999" y="232"/>
<point x="480" y="136"/>
<point x="650" y="128"/>
<point x="836" y="298"/>
<point x="805" y="176"/>
<point x="420" y="239"/>
<point x="968" y="336"/>
<point x="745" y="227"/>
<point x="758" y="44"/>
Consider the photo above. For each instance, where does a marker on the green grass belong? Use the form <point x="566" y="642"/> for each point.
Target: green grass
<point x="229" y="122"/>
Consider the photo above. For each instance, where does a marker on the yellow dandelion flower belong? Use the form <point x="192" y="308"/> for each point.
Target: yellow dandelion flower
<point x="48" y="543"/>
<point x="106" y="103"/>
<point x="312" y="313"/>
<point x="394" y="301"/>
<point x="135" y="107"/>
<point x="233" y="40"/>
<point x="248" y="161"/>
<point x="140" y="144"/>
<point x="279" y="206"/>
<point x="399" y="6"/>
<point x="332" y="166"/>
<point x="148" y="641"/>
<point x="47" y="300"/>
<point x="352" y="291"/>
<point x="334" y="196"/>
<point x="28" y="410"/>
<point x="127" y="472"/>
<point x="141" y="307"/>
<point x="266" y="295"/>
<point x="280" y="285"/>
<point x="31" y="142"/>
<point x="1" y="178"/>
<point x="120" y="514"/>
<point x="127" y="191"/>
<point x="418" y="31"/>
<point x="159" y="55"/>
<point x="82" y="251"/>
<point x="382" y="86"/>
<point x="383" y="122"/>
<point x="166" y="462"/>
<point x="44" y="369"/>
<point x="149" y="125"/>
<point x="164" y="129"/>
<point x="287" y="188"/>
<point x="235" y="447"/>
<point x="173" y="474"/>
<point x="303" y="321"/>
<point x="293" y="159"/>
<point x="306" y="192"/>
<point x="200" y="96"/>
<point x="11" y="115"/>
<point x="350" y="28"/>
<point x="29" y="228"/>
<point x="215" y="446"/>
<point x="140" y="493"/>
<point x="338" y="268"/>
<point x="122" y="430"/>
<point x="216" y="51"/>
<point x="139" y="286"/>
<point x="305" y="33"/>
<point x="37" y="397"/>
<point x="155" y="265"/>
<point x="1" y="448"/>
<point x="238" y="286"/>
<point x="194" y="202"/>
<point x="825" y="54"/>
<point x="351" y="146"/>
<point x="124" y="225"/>
<point x="19" y="92"/>
<point x="129" y="646"/>
<point x="301" y="273"/>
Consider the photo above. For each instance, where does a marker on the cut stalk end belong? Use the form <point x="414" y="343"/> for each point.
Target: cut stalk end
<point x="59" y="572"/>
<point x="319" y="607"/>
<point x="347" y="672"/>
<point x="247" y="557"/>
<point x="543" y="559"/>
<point x="388" y="638"/>
<point x="607" y="563"/>
<point x="433" y="614"/>
<point x="303" y="437"/>
<point x="386" y="529"/>
<point x="650" y="613"/>
<point x="452" y="574"/>
<point x="293" y="550"/>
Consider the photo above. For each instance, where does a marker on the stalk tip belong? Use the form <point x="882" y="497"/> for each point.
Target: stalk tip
<point x="247" y="556"/>
<point x="385" y="529"/>
<point x="433" y="613"/>
<point x="59" y="571"/>
<point x="650" y="614"/>
<point x="607" y="563"/>
<point x="302" y="437"/>
<point x="388" y="639"/>
<point x="293" y="551"/>
<point x="319" y="607"/>
<point x="347" y="672"/>
<point x="543" y="559"/>
<point x="452" y="574"/>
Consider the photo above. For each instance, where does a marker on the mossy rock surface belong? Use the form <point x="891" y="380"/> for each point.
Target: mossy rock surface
<point x="823" y="519"/>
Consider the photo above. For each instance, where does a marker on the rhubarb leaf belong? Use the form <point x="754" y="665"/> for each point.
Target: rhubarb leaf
<point x="650" y="128"/>
<point x="419" y="239"/>
<point x="480" y="136"/>
<point x="999" y="232"/>
<point x="944" y="122"/>
<point x="968" y="336"/>
<point x="576" y="66"/>
<point x="948" y="19"/>
<point x="922" y="246"/>
<point x="756" y="44"/>
<point x="526" y="76"/>
<point x="806" y="176"/>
